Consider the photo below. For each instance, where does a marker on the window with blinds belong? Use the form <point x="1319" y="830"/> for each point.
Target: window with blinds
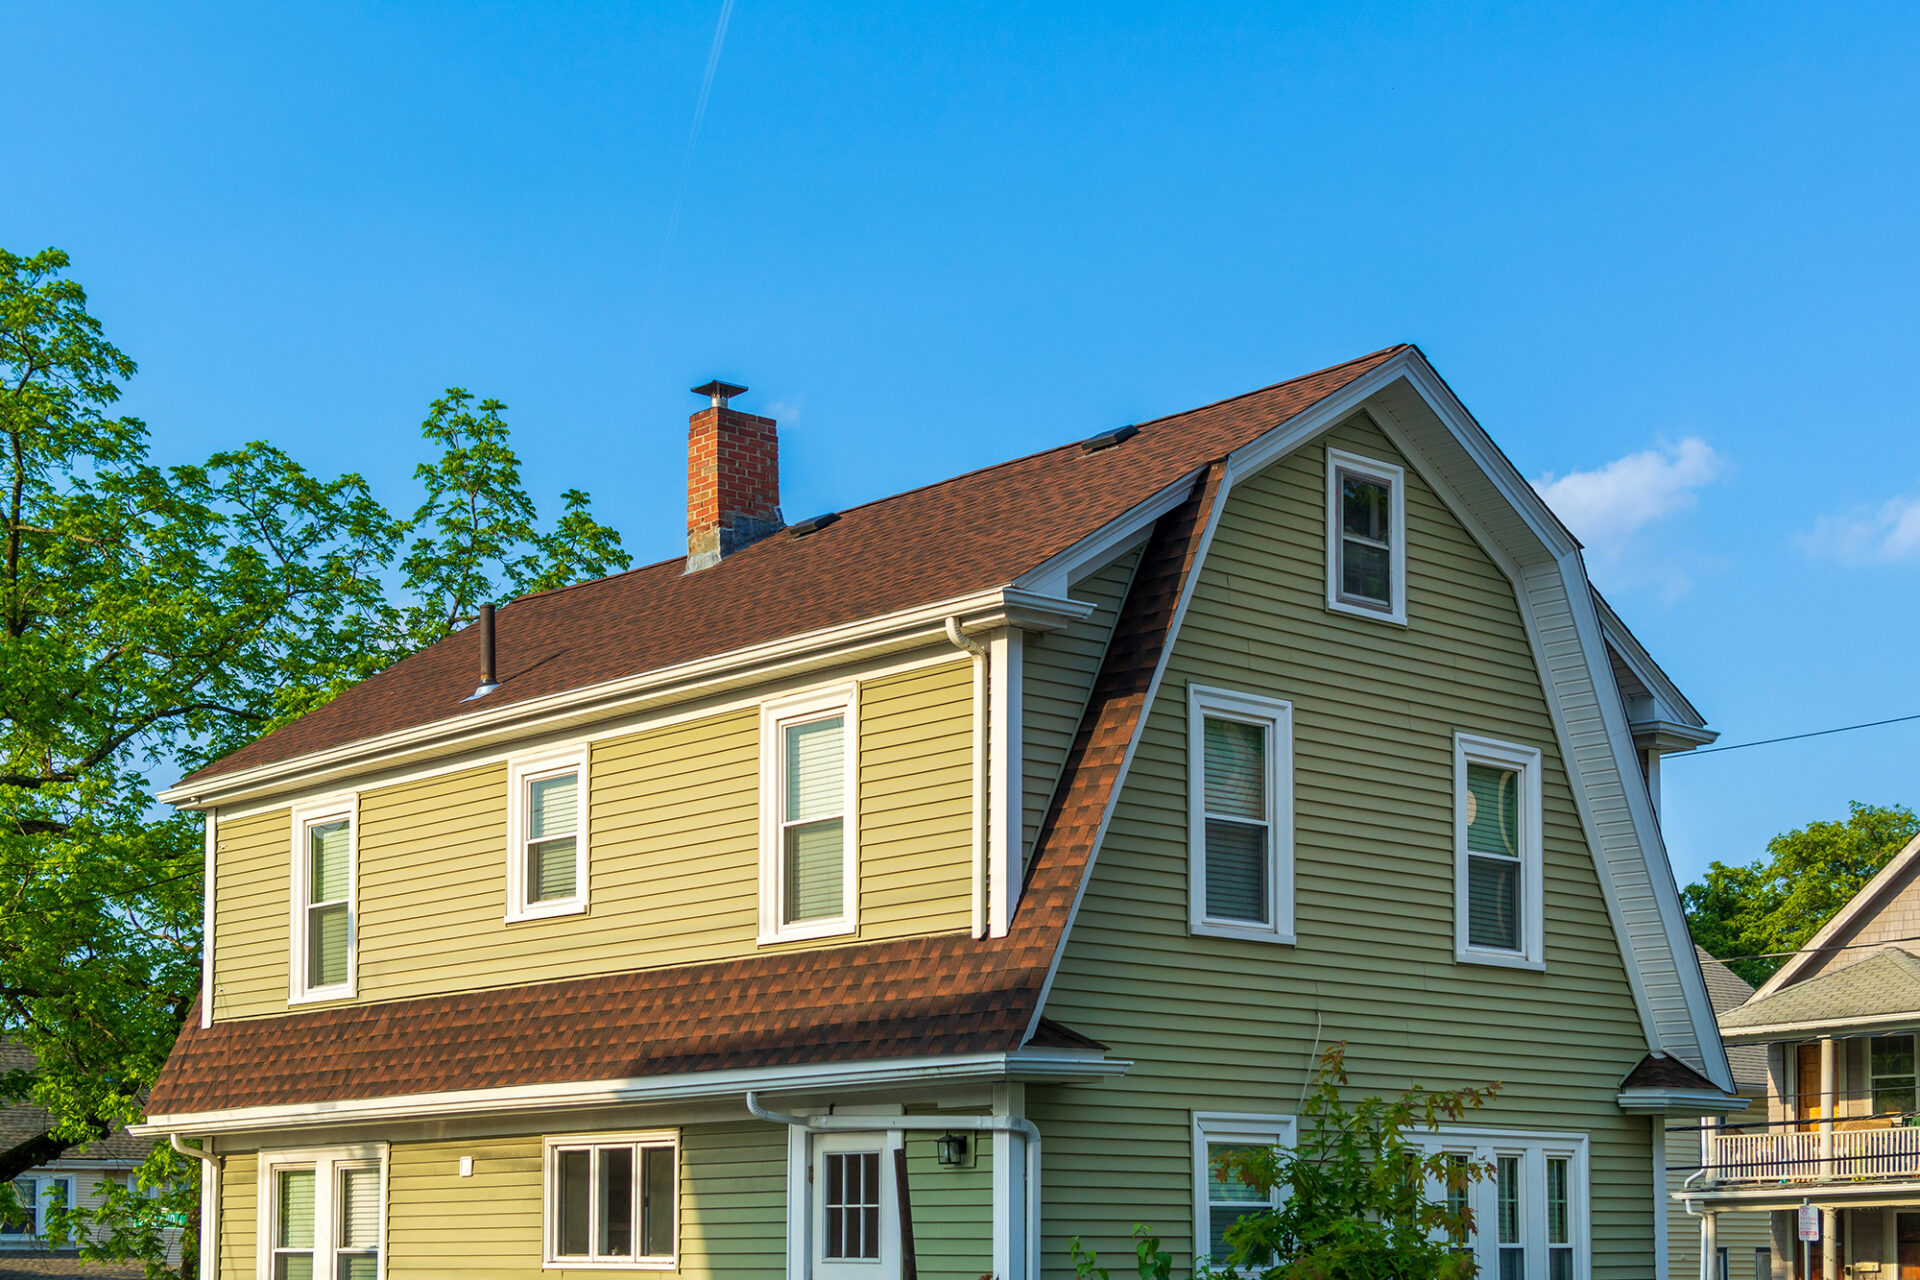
<point x="1498" y="831"/>
<point x="612" y="1199"/>
<point x="807" y="887"/>
<point x="357" y="1224"/>
<point x="553" y="813"/>
<point x="323" y="873"/>
<point x="1222" y="1197"/>
<point x="547" y="845"/>
<point x="294" y="1210"/>
<point x="324" y="1213"/>
<point x="1240" y="762"/>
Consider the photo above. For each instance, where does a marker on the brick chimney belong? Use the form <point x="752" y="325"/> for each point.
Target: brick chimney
<point x="733" y="478"/>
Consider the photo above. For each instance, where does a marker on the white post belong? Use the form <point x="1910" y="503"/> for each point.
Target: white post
<point x="1830" y="1244"/>
<point x="1006" y="794"/>
<point x="1826" y="1107"/>
<point x="1011" y="1246"/>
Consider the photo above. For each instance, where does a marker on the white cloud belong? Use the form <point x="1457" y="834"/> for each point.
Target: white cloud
<point x="1611" y="507"/>
<point x="1884" y="535"/>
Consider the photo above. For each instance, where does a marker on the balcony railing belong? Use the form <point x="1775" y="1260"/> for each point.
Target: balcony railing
<point x="1795" y="1157"/>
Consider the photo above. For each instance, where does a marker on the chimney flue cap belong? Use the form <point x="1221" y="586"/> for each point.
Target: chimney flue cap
<point x="720" y="391"/>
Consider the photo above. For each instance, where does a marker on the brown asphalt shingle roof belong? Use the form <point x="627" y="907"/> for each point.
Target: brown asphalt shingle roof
<point x="975" y="532"/>
<point x="946" y="994"/>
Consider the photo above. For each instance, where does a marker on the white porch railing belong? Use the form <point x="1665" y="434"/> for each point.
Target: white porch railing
<point x="1795" y="1157"/>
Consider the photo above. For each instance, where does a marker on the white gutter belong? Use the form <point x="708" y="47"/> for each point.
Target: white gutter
<point x="897" y="1124"/>
<point x="961" y="640"/>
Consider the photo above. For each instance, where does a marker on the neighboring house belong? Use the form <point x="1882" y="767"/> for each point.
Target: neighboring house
<point x="1742" y="1247"/>
<point x="910" y="890"/>
<point x="79" y="1177"/>
<point x="1837" y="1023"/>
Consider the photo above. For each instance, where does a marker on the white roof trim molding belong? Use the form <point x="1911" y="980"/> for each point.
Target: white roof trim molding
<point x="1454" y="454"/>
<point x="1663" y="718"/>
<point x="1872" y="896"/>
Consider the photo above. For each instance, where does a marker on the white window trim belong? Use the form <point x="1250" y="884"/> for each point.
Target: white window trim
<point x="39" y="1206"/>
<point x="550" y="1259"/>
<point x="1243" y="1127"/>
<point x="326" y="1163"/>
<point x="842" y="700"/>
<point x="1395" y="478"/>
<point x="1535" y="1147"/>
<point x="1277" y="717"/>
<point x="521" y="772"/>
<point x="1468" y="749"/>
<point x="304" y="816"/>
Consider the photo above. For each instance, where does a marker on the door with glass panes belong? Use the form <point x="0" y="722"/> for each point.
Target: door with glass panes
<point x="856" y="1223"/>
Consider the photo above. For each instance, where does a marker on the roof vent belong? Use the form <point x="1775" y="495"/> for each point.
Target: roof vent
<point x="1108" y="439"/>
<point x="812" y="524"/>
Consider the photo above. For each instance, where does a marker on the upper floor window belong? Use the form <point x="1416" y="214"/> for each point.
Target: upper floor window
<point x="547" y="852"/>
<point x="1240" y="814"/>
<point x="1890" y="1064"/>
<point x="35" y="1195"/>
<point x="1366" y="537"/>
<point x="321" y="1213"/>
<point x="1498" y="896"/>
<point x="1221" y="1198"/>
<point x="1531" y="1217"/>
<point x="321" y="966"/>
<point x="809" y="874"/>
<point x="612" y="1200"/>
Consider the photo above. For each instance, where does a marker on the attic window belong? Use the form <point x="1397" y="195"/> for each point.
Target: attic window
<point x="1108" y="439"/>
<point x="1366" y="537"/>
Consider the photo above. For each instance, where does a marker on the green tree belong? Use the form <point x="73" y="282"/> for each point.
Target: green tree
<point x="156" y="617"/>
<point x="1778" y="902"/>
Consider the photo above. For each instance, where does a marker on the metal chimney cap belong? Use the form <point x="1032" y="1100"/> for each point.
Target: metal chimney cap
<point x="720" y="391"/>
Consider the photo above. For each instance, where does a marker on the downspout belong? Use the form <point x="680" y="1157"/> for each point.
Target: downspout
<point x="210" y="1206"/>
<point x="900" y="1124"/>
<point x="961" y="640"/>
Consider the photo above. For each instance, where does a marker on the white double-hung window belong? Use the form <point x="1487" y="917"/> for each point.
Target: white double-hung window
<point x="809" y="802"/>
<point x="34" y="1195"/>
<point x="322" y="1214"/>
<point x="1498" y="896"/>
<point x="612" y="1200"/>
<point x="547" y="848"/>
<point x="1221" y="1198"/>
<point x="1240" y="815"/>
<point x="1531" y="1215"/>
<point x="1366" y="537"/>
<point x="321" y="965"/>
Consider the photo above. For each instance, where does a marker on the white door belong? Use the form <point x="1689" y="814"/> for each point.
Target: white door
<point x="856" y="1226"/>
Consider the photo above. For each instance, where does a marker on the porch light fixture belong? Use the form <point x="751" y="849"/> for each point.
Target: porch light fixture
<point x="952" y="1151"/>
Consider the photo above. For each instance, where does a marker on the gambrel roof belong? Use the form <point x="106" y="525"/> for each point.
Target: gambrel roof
<point x="1004" y="530"/>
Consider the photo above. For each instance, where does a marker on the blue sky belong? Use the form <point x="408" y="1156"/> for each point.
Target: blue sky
<point x="1665" y="253"/>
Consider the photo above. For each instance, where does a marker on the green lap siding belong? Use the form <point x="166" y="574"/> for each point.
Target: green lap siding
<point x="952" y="1208"/>
<point x="1230" y="1025"/>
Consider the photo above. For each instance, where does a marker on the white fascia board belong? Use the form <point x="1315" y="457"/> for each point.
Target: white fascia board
<point x="1684" y="1101"/>
<point x="1792" y="1194"/>
<point x="1837" y="1027"/>
<point x="1870" y="898"/>
<point x="1034" y="1065"/>
<point x="924" y="624"/>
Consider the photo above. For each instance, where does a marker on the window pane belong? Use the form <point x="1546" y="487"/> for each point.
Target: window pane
<point x="1230" y="1187"/>
<point x="1892" y="1055"/>
<point x="1891" y="1098"/>
<point x="360" y="1208"/>
<point x="358" y="1266"/>
<point x="657" y="1204"/>
<point x="1236" y="769"/>
<point x="1363" y="508"/>
<point x="1493" y="810"/>
<point x="853" y="1205"/>
<point x="327" y="945"/>
<point x="1365" y="571"/>
<point x="1507" y="1183"/>
<point x="327" y="861"/>
<point x="575" y="1199"/>
<point x="550" y="869"/>
<point x="1493" y="902"/>
<point x="293" y="1266"/>
<point x="294" y="1209"/>
<point x="815" y="777"/>
<point x="26" y="1220"/>
<point x="616" y="1201"/>
<point x="552" y="807"/>
<point x="1237" y="871"/>
<point x="1513" y="1264"/>
<point x="1558" y="1207"/>
<point x="815" y="870"/>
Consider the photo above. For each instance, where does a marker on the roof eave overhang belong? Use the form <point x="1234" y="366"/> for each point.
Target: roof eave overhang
<point x="1674" y="706"/>
<point x="1839" y="1027"/>
<point x="1035" y="1066"/>
<point x="982" y="611"/>
<point x="1679" y="1102"/>
<point x="1793" y="1194"/>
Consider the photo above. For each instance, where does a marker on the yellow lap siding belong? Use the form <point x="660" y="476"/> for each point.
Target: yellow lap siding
<point x="674" y="857"/>
<point x="1230" y="1025"/>
<point x="239" y="1218"/>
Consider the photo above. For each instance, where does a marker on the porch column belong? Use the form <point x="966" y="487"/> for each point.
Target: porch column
<point x="1011" y="1248"/>
<point x="1709" y="1245"/>
<point x="1830" y="1243"/>
<point x="1826" y="1106"/>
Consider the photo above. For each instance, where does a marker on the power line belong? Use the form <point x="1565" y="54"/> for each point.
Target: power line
<point x="1792" y="737"/>
<point x="1851" y="946"/>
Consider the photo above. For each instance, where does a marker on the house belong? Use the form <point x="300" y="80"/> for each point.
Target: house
<point x="81" y="1176"/>
<point x="1742" y="1244"/>
<point x="1842" y="1128"/>
<point x="907" y="890"/>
